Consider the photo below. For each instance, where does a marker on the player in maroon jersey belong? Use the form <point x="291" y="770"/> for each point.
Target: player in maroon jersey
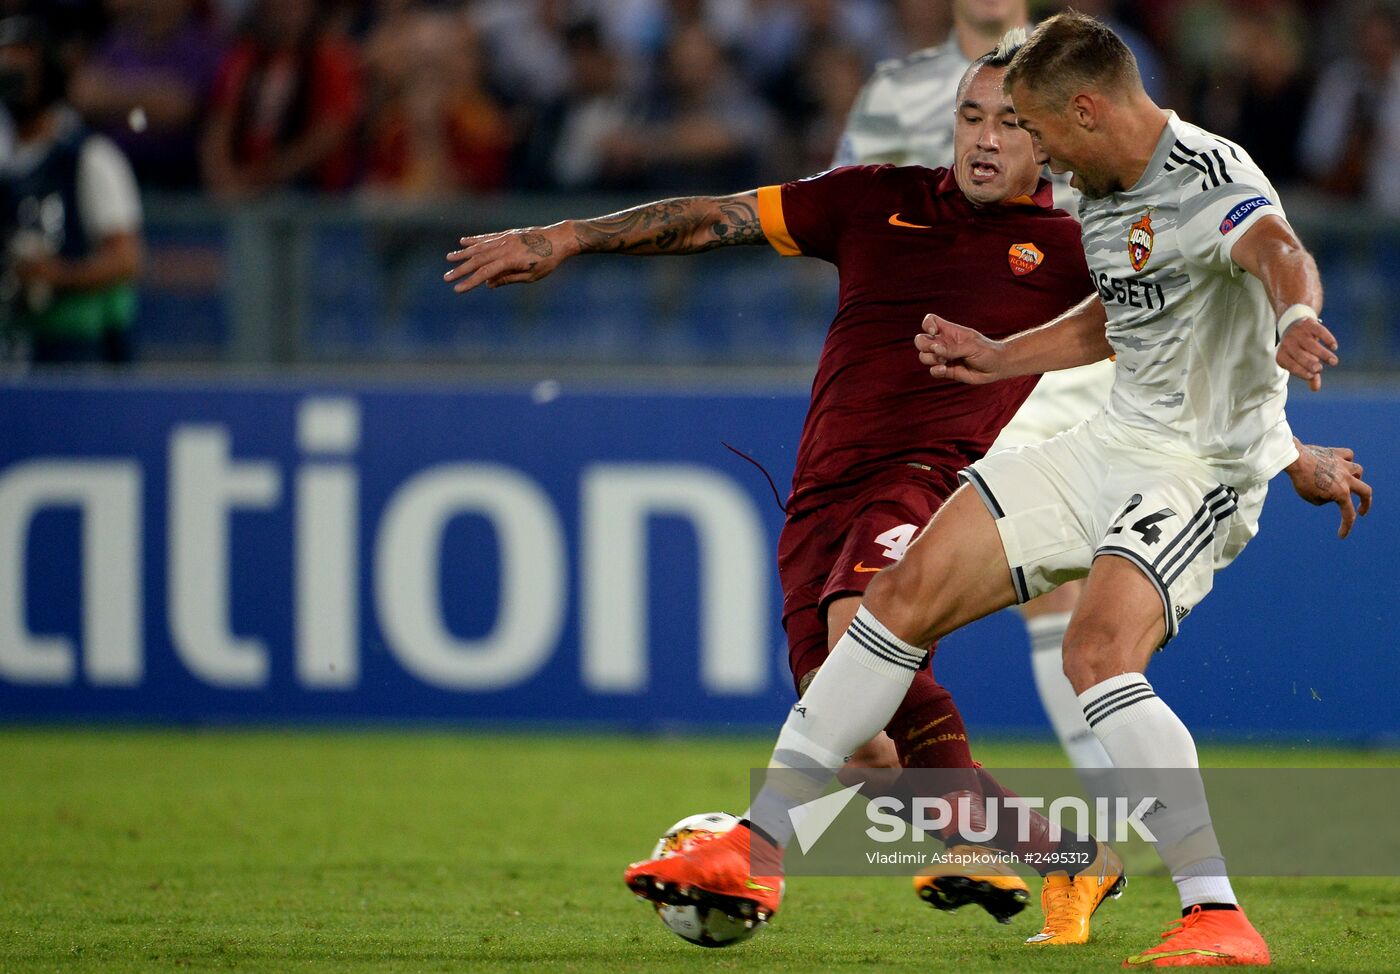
<point x="882" y="443"/>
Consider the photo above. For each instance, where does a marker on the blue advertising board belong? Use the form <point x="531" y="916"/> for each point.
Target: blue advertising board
<point x="213" y="551"/>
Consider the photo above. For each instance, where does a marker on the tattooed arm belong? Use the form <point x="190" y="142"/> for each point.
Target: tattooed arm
<point x="690" y="225"/>
<point x="1329" y="475"/>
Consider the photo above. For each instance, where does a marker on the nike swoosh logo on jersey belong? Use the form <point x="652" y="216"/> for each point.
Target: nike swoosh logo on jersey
<point x="895" y="221"/>
<point x="860" y="567"/>
<point x="933" y="723"/>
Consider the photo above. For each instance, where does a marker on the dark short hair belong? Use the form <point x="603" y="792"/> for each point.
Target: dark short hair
<point x="1071" y="52"/>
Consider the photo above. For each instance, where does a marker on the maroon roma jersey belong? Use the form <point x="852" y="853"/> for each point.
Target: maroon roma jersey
<point x="907" y="242"/>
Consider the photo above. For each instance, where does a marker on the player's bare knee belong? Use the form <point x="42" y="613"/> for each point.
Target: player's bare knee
<point x="902" y="598"/>
<point x="881" y="595"/>
<point x="1093" y="652"/>
<point x="1078" y="670"/>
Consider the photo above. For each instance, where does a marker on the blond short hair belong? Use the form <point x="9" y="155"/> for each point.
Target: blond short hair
<point x="1069" y="53"/>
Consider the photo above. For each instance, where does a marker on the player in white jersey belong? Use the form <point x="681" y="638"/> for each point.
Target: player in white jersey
<point x="1206" y="296"/>
<point x="904" y="115"/>
<point x="1146" y="500"/>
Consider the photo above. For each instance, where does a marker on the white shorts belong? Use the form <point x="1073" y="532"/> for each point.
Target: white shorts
<point x="1061" y="503"/>
<point x="1060" y="400"/>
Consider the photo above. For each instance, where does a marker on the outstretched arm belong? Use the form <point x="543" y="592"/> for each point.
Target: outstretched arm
<point x="689" y="225"/>
<point x="956" y="352"/>
<point x="1272" y="252"/>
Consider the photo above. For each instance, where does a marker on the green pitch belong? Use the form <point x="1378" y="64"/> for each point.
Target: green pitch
<point x="263" y="851"/>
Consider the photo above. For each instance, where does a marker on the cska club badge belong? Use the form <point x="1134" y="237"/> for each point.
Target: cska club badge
<point x="1140" y="242"/>
<point x="1024" y="258"/>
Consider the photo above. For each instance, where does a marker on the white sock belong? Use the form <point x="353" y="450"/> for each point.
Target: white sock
<point x="1057" y="696"/>
<point x="1155" y="756"/>
<point x="852" y="698"/>
<point x="1205" y="882"/>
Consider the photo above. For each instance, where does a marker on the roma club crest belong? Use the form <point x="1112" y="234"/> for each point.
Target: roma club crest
<point x="1024" y="258"/>
<point x="1140" y="241"/>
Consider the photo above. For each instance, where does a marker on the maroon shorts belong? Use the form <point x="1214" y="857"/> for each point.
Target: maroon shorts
<point x="834" y="550"/>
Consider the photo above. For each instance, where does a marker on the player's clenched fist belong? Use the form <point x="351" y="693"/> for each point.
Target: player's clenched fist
<point x="510" y="257"/>
<point x="952" y="351"/>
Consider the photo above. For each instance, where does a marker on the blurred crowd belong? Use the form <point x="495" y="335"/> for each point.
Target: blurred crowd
<point x="419" y="98"/>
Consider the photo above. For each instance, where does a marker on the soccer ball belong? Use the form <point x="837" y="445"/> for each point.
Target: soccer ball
<point x="701" y="925"/>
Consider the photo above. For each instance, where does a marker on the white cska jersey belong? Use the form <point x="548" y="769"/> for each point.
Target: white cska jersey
<point x="904" y="114"/>
<point x="1194" y="334"/>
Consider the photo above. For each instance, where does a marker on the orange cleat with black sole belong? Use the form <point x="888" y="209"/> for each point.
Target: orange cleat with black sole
<point x="973" y="875"/>
<point x="735" y="872"/>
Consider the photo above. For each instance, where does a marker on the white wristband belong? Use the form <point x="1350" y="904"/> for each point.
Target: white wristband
<point x="1292" y="315"/>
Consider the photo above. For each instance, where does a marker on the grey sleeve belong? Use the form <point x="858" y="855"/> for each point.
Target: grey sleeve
<point x="873" y="132"/>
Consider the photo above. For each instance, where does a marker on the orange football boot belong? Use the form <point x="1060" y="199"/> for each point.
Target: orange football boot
<point x="1069" y="902"/>
<point x="735" y="872"/>
<point x="980" y="878"/>
<point x="1207" y="938"/>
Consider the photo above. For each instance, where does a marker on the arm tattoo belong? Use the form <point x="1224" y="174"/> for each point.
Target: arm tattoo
<point x="654" y="227"/>
<point x="676" y="226"/>
<point x="740" y="225"/>
<point x="538" y="244"/>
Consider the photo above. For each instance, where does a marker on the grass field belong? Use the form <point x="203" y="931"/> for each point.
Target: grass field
<point x="264" y="851"/>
